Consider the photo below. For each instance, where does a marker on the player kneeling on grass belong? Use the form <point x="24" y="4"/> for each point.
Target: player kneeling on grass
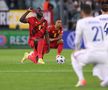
<point x="37" y="34"/>
<point x="96" y="51"/>
<point x="55" y="38"/>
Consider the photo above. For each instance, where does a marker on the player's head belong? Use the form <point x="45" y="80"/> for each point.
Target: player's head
<point x="86" y="10"/>
<point x="104" y="8"/>
<point x="58" y="23"/>
<point x="39" y="12"/>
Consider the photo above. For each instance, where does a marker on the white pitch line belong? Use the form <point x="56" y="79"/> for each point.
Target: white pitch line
<point x="41" y="71"/>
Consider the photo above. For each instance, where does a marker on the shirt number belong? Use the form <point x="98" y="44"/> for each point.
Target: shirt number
<point x="98" y="30"/>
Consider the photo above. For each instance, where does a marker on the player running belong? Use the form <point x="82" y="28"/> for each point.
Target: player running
<point x="37" y="33"/>
<point x="91" y="30"/>
<point x="55" y="38"/>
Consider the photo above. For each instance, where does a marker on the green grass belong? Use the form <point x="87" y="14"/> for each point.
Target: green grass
<point x="51" y="76"/>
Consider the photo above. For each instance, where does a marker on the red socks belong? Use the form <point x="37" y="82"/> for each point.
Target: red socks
<point x="32" y="57"/>
<point x="60" y="48"/>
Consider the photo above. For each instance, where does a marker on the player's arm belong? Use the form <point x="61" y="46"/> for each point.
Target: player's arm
<point x="56" y="39"/>
<point x="78" y="37"/>
<point x="23" y="18"/>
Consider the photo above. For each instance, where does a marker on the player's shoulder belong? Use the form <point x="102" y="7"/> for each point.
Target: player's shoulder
<point x="91" y="20"/>
<point x="32" y="17"/>
<point x="85" y="19"/>
<point x="102" y="17"/>
<point x="82" y="21"/>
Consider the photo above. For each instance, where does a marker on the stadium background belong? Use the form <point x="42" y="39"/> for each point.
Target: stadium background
<point x="13" y="44"/>
<point x="14" y="34"/>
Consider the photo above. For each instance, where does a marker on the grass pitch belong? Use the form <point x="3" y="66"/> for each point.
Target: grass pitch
<point x="51" y="76"/>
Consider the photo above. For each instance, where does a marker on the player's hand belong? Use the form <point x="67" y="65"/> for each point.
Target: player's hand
<point x="30" y="9"/>
<point x="51" y="40"/>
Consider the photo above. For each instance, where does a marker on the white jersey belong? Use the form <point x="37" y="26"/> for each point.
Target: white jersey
<point x="91" y="31"/>
<point x="104" y="22"/>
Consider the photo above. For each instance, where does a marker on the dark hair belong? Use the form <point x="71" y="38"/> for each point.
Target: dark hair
<point x="86" y="9"/>
<point x="104" y="7"/>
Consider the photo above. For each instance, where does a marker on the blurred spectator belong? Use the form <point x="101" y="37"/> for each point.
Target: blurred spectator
<point x="73" y="8"/>
<point x="3" y="5"/>
<point x="69" y="10"/>
<point x="21" y="4"/>
<point x="36" y="3"/>
<point x="51" y="9"/>
<point x="45" y="5"/>
<point x="12" y="4"/>
<point x="28" y="3"/>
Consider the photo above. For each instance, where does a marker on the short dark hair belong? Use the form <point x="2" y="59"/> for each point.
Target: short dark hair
<point x="86" y="9"/>
<point x="104" y="7"/>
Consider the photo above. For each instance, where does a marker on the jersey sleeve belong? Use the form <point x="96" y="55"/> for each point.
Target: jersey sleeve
<point x="78" y="37"/>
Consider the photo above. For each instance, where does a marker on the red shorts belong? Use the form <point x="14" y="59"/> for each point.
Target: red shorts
<point x="53" y="44"/>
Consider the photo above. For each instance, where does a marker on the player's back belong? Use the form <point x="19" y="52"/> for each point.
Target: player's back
<point x="92" y="32"/>
<point x="104" y="22"/>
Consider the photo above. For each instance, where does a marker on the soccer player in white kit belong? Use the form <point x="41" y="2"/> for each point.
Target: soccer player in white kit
<point x="100" y="70"/>
<point x="91" y="30"/>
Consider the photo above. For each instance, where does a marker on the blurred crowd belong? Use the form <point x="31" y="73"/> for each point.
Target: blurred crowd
<point x="70" y="8"/>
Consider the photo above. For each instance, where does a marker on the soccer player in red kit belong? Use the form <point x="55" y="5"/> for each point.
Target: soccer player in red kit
<point x="37" y="33"/>
<point x="55" y="36"/>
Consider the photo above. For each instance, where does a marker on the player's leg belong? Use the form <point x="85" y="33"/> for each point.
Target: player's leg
<point x="60" y="47"/>
<point x="78" y="61"/>
<point x="101" y="71"/>
<point x="24" y="57"/>
<point x="101" y="68"/>
<point x="54" y="45"/>
<point x="26" y="54"/>
<point x="40" y="48"/>
<point x="46" y="48"/>
<point x="32" y="57"/>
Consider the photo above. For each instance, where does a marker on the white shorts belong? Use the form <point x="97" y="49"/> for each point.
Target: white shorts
<point x="91" y="56"/>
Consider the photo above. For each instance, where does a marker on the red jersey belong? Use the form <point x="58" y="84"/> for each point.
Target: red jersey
<point x="53" y="33"/>
<point x="37" y="28"/>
